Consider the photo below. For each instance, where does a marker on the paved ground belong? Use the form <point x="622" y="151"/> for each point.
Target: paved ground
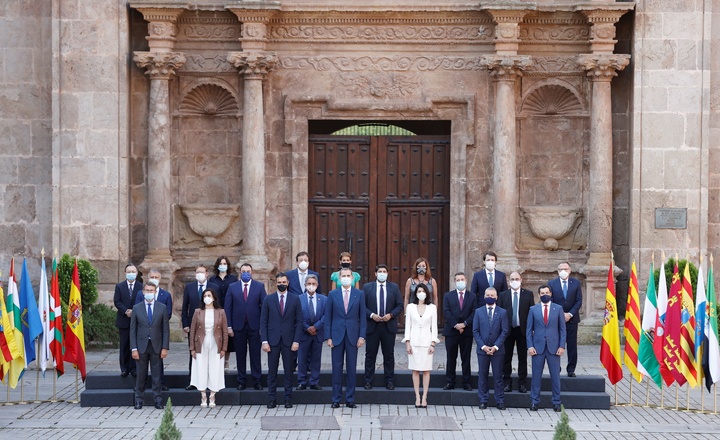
<point x="67" y="420"/>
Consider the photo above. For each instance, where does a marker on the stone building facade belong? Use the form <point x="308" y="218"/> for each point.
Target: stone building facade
<point x="167" y="133"/>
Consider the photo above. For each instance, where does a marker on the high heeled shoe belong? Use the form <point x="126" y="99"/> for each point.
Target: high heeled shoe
<point x="203" y="400"/>
<point x="212" y="400"/>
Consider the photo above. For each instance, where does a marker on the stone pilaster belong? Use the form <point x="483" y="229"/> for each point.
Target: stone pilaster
<point x="602" y="29"/>
<point x="507" y="18"/>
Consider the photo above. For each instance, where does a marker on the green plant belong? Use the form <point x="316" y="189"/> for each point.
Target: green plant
<point x="563" y="431"/>
<point x="88" y="280"/>
<point x="168" y="430"/>
<point x="99" y="325"/>
<point x="669" y="270"/>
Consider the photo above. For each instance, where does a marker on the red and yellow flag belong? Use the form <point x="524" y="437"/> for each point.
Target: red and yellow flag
<point x="671" y="350"/>
<point x="632" y="326"/>
<point x="74" y="331"/>
<point x="688" y="366"/>
<point x="610" y="345"/>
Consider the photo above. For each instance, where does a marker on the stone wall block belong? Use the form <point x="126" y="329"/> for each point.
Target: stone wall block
<point x="84" y="170"/>
<point x="683" y="25"/>
<point x="41" y="137"/>
<point x="104" y="111"/>
<point x="663" y="130"/>
<point x="102" y="143"/>
<point x="22" y="101"/>
<point x="36" y="170"/>
<point x="8" y="170"/>
<point x="685" y="100"/>
<point x="19" y="204"/>
<point x="655" y="99"/>
<point x="12" y="240"/>
<point x="89" y="73"/>
<point x="16" y="138"/>
<point x="672" y="78"/>
<point x="85" y="196"/>
<point x="693" y="129"/>
<point x="688" y="54"/>
<point x="659" y="54"/>
<point x="19" y="66"/>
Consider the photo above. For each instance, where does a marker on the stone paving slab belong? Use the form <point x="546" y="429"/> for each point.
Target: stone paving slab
<point x="418" y="423"/>
<point x="298" y="423"/>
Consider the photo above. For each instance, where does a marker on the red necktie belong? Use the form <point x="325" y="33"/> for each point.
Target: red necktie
<point x="282" y="304"/>
<point x="461" y="300"/>
<point x="545" y="315"/>
<point x="245" y="291"/>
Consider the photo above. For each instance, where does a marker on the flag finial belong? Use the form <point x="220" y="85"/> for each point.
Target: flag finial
<point x="42" y="253"/>
<point x="55" y="253"/>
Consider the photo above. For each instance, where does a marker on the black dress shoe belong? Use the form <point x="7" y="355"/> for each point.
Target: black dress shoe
<point x="483" y="406"/>
<point x="390" y="386"/>
<point x="272" y="404"/>
<point x="123" y="374"/>
<point x="507" y="388"/>
<point x="351" y="405"/>
<point x="522" y="389"/>
<point x="368" y="386"/>
<point x="288" y="405"/>
<point x="501" y="406"/>
<point x="133" y="374"/>
<point x="302" y="387"/>
<point x="164" y="388"/>
<point x="467" y="387"/>
<point x="240" y="387"/>
<point x="257" y="386"/>
<point x="533" y="407"/>
<point x="557" y="408"/>
<point x="571" y="374"/>
<point x="191" y="387"/>
<point x="335" y="405"/>
<point x="315" y="387"/>
<point x="138" y="405"/>
<point x="159" y="405"/>
<point x="449" y="387"/>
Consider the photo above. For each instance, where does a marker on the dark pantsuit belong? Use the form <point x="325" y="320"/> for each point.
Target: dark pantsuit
<point x="309" y="354"/>
<point x="484" y="363"/>
<point x="516" y="336"/>
<point x="152" y="358"/>
<point x="127" y="363"/>
<point x="464" y="344"/>
<point x="572" y="329"/>
<point x="288" y="357"/>
<point x="244" y="338"/>
<point x="381" y="337"/>
<point x="347" y="351"/>
<point x="538" y="364"/>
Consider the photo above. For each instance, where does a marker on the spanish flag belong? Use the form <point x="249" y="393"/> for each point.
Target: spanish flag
<point x="74" y="331"/>
<point x="610" y="345"/>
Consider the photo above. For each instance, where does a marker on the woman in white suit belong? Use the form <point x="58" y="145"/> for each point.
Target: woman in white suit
<point x="421" y="335"/>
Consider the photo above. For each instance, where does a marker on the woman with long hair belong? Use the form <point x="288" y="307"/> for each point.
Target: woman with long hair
<point x="421" y="274"/>
<point x="208" y="346"/>
<point x="421" y="335"/>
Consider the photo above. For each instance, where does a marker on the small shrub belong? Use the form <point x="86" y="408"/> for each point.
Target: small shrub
<point x="99" y="323"/>
<point x="168" y="430"/>
<point x="88" y="280"/>
<point x="563" y="431"/>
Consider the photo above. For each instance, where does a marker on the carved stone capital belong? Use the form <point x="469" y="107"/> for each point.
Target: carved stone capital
<point x="602" y="29"/>
<point x="160" y="65"/>
<point x="254" y="16"/>
<point x="506" y="68"/>
<point x="603" y="67"/>
<point x="162" y="28"/>
<point x="254" y="65"/>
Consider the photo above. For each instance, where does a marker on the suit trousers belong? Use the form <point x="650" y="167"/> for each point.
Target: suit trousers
<point x="484" y="363"/>
<point x="288" y="358"/>
<point x="515" y="337"/>
<point x="381" y="337"/>
<point x="127" y="363"/>
<point x="247" y="339"/>
<point x="463" y="343"/>
<point x="154" y="360"/>
<point x="309" y="355"/>
<point x="348" y="351"/>
<point x="538" y="364"/>
<point x="572" y="329"/>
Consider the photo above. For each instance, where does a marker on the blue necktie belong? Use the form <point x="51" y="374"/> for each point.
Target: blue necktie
<point x="382" y="301"/>
<point x="149" y="314"/>
<point x="311" y="310"/>
<point x="565" y="289"/>
<point x="200" y="290"/>
<point x="491" y="280"/>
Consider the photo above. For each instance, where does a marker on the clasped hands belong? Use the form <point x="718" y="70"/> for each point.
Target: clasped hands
<point x="489" y="350"/>
<point x="385" y="318"/>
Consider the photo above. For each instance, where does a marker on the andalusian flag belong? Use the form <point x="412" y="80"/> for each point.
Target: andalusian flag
<point x="632" y="326"/>
<point x="711" y="351"/>
<point x="31" y="323"/>
<point x="659" y="340"/>
<point x="17" y="366"/>
<point x="9" y="349"/>
<point x="56" y="342"/>
<point x="74" y="332"/>
<point x="700" y="318"/>
<point x="687" y="330"/>
<point x="610" y="346"/>
<point x="648" y="364"/>
<point x="44" y="307"/>
<point x="673" y="322"/>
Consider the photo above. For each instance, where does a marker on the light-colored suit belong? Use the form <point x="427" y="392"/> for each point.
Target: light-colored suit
<point x="545" y="339"/>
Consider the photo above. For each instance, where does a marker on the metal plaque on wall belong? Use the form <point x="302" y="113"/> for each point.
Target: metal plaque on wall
<point x="670" y="218"/>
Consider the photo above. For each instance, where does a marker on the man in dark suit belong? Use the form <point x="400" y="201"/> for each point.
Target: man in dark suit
<point x="546" y="342"/>
<point x="488" y="277"/>
<point x="345" y="328"/>
<point x="280" y="330"/>
<point x="383" y="303"/>
<point x="191" y="301"/>
<point x="124" y="299"/>
<point x="297" y="277"/>
<point x="517" y="302"/>
<point x="458" y="309"/>
<point x="567" y="292"/>
<point x="313" y="335"/>
<point x="490" y="328"/>
<point x="149" y="342"/>
<point x="243" y="304"/>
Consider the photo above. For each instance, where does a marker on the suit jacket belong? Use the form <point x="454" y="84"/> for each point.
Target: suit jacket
<point x="393" y="304"/>
<point x="197" y="330"/>
<point x="491" y="333"/>
<point x="163" y="296"/>
<point x="526" y="300"/>
<point x="551" y="336"/>
<point x="480" y="282"/>
<point x="338" y="323"/>
<point x="573" y="302"/>
<point x="191" y="300"/>
<point x="319" y="324"/>
<point x="294" y="281"/>
<point x="141" y="330"/>
<point x="238" y="310"/>
<point x="124" y="300"/>
<point x="454" y="315"/>
<point x="276" y="327"/>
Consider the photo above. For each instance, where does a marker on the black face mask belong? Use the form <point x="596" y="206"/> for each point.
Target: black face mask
<point x="545" y="298"/>
<point x="282" y="287"/>
<point x="345" y="265"/>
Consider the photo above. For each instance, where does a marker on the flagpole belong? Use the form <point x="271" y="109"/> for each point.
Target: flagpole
<point x="687" y="407"/>
<point x="54" y="397"/>
<point x="631" y="389"/>
<point x="37" y="370"/>
<point x="715" y="398"/>
<point x="662" y="397"/>
<point x="616" y="398"/>
<point x="647" y="393"/>
<point x="677" y="396"/>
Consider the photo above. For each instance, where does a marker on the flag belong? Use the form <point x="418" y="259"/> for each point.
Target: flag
<point x="711" y="350"/>
<point x="17" y="366"/>
<point x="673" y="322"/>
<point x="659" y="340"/>
<point x="31" y="323"/>
<point x="9" y="349"/>
<point x="687" y="330"/>
<point x="610" y="345"/>
<point x="44" y="307"/>
<point x="56" y="342"/>
<point x="700" y="318"/>
<point x="74" y="331"/>
<point x="632" y="326"/>
<point x="648" y="363"/>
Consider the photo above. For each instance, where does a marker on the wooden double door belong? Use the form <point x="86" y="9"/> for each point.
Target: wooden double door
<point x="384" y="199"/>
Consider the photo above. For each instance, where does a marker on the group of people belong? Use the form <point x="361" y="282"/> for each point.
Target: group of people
<point x="221" y="314"/>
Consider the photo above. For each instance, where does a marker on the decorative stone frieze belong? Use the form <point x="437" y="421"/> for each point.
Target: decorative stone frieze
<point x="383" y="63"/>
<point x="381" y="33"/>
<point x="554" y="65"/>
<point x="539" y="34"/>
<point x="378" y="85"/>
<point x="208" y="63"/>
<point x="160" y="65"/>
<point x="253" y="65"/>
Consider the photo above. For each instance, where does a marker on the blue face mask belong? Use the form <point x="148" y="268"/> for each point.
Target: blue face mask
<point x="130" y="276"/>
<point x="490" y="300"/>
<point x="246" y="277"/>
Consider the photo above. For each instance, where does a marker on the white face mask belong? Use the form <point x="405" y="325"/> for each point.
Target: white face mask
<point x="382" y="277"/>
<point x="490" y="265"/>
<point x="564" y="274"/>
<point x="200" y="277"/>
<point x="421" y="296"/>
<point x="303" y="265"/>
<point x="460" y="285"/>
<point x="149" y="297"/>
<point x="346" y="281"/>
<point x="154" y="281"/>
<point x="222" y="268"/>
<point x="311" y="288"/>
<point x="207" y="300"/>
<point x="514" y="285"/>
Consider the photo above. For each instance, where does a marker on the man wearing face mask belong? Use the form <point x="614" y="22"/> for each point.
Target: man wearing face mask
<point x="192" y="297"/>
<point x="383" y="304"/>
<point x="345" y="327"/>
<point x="488" y="277"/>
<point x="311" y="341"/>
<point x="490" y="328"/>
<point x="567" y="292"/>
<point x="458" y="309"/>
<point x="546" y="342"/>
<point x="517" y="302"/>
<point x="243" y="304"/>
<point x="297" y="277"/>
<point x="164" y="297"/>
<point x="124" y="299"/>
